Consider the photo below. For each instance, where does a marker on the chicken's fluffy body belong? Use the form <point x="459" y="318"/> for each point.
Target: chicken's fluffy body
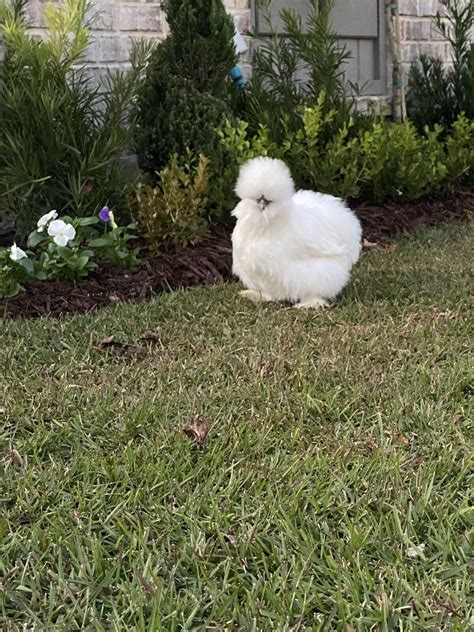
<point x="287" y="246"/>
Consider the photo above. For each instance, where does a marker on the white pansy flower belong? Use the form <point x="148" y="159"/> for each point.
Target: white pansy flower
<point x="61" y="232"/>
<point x="17" y="253"/>
<point x="45" y="219"/>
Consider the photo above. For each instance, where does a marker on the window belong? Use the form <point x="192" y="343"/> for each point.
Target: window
<point x="360" y="24"/>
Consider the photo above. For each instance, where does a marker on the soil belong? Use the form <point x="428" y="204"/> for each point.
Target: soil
<point x="210" y="261"/>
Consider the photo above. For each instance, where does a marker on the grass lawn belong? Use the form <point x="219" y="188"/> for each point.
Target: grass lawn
<point x="332" y="492"/>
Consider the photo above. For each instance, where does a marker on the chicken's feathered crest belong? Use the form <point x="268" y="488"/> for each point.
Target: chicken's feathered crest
<point x="265" y="177"/>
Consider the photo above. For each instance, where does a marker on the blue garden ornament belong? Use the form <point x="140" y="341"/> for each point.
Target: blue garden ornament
<point x="237" y="77"/>
<point x="236" y="73"/>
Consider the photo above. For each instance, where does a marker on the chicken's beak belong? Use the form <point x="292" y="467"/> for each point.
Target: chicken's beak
<point x="263" y="203"/>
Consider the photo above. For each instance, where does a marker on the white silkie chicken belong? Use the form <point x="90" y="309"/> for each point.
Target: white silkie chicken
<point x="290" y="246"/>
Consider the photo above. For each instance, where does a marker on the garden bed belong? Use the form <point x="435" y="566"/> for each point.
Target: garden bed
<point x="209" y="261"/>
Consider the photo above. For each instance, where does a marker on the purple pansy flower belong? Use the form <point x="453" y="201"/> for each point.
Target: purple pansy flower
<point x="104" y="214"/>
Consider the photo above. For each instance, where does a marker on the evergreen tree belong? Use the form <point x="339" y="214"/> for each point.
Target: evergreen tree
<point x="182" y="99"/>
<point x="200" y="47"/>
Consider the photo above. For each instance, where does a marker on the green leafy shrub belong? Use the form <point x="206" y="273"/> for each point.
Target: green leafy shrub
<point x="60" y="137"/>
<point x="243" y="145"/>
<point x="388" y="161"/>
<point x="398" y="163"/>
<point x="182" y="102"/>
<point x="319" y="160"/>
<point x="240" y="144"/>
<point x="329" y="165"/>
<point x="460" y="150"/>
<point x="437" y="95"/>
<point x="292" y="70"/>
<point x="171" y="213"/>
<point x="375" y="161"/>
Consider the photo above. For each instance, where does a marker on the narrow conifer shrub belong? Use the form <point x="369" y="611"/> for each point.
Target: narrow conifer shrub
<point x="183" y="98"/>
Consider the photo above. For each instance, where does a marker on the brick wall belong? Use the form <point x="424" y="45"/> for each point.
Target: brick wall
<point x="120" y="20"/>
<point x="419" y="34"/>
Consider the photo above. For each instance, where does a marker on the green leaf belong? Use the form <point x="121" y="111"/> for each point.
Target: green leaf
<point x="82" y="261"/>
<point x="35" y="238"/>
<point x="27" y="264"/>
<point x="12" y="290"/>
<point x="87" y="221"/>
<point x="100" y="242"/>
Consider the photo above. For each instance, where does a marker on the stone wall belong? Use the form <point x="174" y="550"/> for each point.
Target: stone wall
<point x="119" y="21"/>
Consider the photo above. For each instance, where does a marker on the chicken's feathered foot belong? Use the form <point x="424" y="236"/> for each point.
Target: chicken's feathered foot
<point x="314" y="303"/>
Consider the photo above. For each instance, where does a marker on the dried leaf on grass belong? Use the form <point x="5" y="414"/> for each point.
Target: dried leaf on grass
<point x="108" y="342"/>
<point x="16" y="459"/>
<point x="197" y="430"/>
<point x="401" y="439"/>
<point x="150" y="336"/>
<point x="124" y="348"/>
<point x="379" y="247"/>
<point x="370" y="245"/>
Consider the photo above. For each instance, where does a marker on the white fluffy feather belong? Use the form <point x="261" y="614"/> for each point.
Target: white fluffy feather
<point x="288" y="246"/>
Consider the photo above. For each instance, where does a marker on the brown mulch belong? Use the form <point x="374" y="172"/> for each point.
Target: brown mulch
<point x="382" y="223"/>
<point x="209" y="261"/>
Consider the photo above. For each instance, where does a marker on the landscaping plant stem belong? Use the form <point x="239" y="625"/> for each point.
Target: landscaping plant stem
<point x="398" y="81"/>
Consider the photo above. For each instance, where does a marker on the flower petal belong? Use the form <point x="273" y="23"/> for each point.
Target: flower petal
<point x="69" y="232"/>
<point x="16" y="254"/>
<point x="44" y="219"/>
<point x="60" y="239"/>
<point x="56" y="226"/>
<point x="113" y="223"/>
<point x="104" y="214"/>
